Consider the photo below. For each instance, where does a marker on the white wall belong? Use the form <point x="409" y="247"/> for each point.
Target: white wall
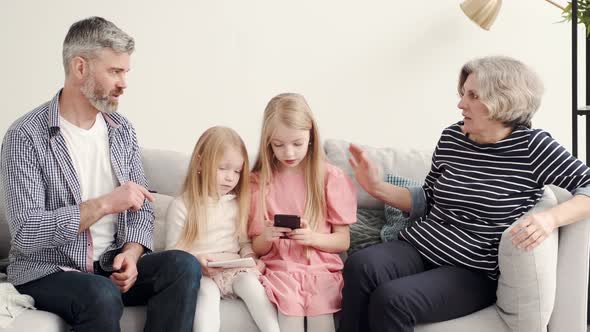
<point x="379" y="72"/>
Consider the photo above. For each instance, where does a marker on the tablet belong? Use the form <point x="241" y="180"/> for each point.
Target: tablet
<point x="231" y="263"/>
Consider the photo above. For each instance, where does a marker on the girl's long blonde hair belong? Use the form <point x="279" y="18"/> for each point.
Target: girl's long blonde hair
<point x="292" y="111"/>
<point x="201" y="182"/>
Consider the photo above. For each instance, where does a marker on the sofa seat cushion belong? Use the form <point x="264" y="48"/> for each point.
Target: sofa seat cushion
<point x="37" y="321"/>
<point x="485" y="320"/>
<point x="234" y="317"/>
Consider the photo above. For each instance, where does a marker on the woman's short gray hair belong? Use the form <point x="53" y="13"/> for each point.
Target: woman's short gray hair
<point x="86" y="37"/>
<point x="508" y="88"/>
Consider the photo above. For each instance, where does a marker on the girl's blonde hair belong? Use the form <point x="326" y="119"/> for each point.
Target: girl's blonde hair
<point x="201" y="182"/>
<point x="292" y="111"/>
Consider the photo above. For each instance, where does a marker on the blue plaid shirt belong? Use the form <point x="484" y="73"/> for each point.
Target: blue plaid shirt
<point x="43" y="196"/>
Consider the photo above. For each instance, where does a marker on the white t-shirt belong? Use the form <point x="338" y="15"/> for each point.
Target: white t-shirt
<point x="90" y="153"/>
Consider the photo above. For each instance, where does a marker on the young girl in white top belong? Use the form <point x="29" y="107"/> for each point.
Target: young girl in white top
<point x="209" y="221"/>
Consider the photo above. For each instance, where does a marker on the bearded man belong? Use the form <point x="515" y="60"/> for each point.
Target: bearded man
<point x="78" y="207"/>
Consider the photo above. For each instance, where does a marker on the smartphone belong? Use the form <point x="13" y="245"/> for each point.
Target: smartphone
<point x="287" y="220"/>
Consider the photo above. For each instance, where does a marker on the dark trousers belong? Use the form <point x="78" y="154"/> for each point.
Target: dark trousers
<point x="390" y="287"/>
<point x="168" y="282"/>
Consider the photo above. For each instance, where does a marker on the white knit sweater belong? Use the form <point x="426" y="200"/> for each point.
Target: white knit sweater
<point x="221" y="228"/>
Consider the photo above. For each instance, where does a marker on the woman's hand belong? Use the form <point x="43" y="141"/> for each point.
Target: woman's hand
<point x="304" y="235"/>
<point x="367" y="174"/>
<point x="272" y="233"/>
<point x="208" y="271"/>
<point x="532" y="230"/>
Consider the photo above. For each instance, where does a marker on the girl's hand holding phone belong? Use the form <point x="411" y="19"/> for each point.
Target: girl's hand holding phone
<point x="272" y="233"/>
<point x="304" y="235"/>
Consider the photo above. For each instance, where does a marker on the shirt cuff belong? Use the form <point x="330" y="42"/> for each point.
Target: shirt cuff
<point x="141" y="236"/>
<point x="418" y="208"/>
<point x="582" y="191"/>
<point x="247" y="251"/>
<point x="66" y="230"/>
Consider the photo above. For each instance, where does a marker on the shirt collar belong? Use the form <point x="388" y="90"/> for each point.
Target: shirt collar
<point x="53" y="118"/>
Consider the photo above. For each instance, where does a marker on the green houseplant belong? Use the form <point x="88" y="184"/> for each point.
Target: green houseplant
<point x="583" y="14"/>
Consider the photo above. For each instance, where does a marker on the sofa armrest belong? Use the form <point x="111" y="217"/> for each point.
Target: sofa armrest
<point x="527" y="283"/>
<point x="569" y="313"/>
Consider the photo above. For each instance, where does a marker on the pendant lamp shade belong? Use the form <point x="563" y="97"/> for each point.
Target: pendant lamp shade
<point x="482" y="12"/>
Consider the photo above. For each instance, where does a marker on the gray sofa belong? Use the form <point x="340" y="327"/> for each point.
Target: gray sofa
<point x="567" y="297"/>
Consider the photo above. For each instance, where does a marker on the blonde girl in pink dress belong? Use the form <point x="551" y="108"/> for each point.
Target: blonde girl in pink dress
<point x="209" y="220"/>
<point x="291" y="176"/>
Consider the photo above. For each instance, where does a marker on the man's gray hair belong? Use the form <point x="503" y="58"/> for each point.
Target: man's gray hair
<point x="507" y="87"/>
<point x="88" y="36"/>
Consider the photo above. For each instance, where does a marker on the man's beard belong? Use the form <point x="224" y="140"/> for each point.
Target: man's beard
<point x="98" y="98"/>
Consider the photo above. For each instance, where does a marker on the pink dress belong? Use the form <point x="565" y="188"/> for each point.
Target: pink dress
<point x="297" y="285"/>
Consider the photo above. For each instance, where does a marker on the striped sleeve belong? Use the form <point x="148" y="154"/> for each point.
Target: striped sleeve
<point x="429" y="182"/>
<point x="552" y="164"/>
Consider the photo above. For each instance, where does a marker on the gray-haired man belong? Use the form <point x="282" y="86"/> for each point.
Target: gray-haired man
<point x="79" y="212"/>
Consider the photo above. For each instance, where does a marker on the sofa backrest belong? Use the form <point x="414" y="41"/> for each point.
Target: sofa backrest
<point x="165" y="171"/>
<point x="408" y="163"/>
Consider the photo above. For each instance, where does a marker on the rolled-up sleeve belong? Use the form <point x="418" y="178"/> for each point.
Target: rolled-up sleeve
<point x="140" y="223"/>
<point x="419" y="204"/>
<point x="582" y="191"/>
<point x="32" y="227"/>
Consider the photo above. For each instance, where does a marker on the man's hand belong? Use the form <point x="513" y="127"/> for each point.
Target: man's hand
<point x="128" y="196"/>
<point x="125" y="265"/>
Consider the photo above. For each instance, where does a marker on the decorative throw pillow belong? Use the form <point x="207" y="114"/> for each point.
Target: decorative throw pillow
<point x="366" y="231"/>
<point x="395" y="219"/>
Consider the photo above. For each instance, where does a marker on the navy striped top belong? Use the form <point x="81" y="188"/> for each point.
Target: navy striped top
<point x="474" y="192"/>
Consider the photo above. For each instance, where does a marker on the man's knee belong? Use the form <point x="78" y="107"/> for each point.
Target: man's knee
<point x="184" y="266"/>
<point x="102" y="299"/>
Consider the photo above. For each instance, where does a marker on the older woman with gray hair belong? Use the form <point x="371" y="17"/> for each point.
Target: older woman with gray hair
<point x="487" y="171"/>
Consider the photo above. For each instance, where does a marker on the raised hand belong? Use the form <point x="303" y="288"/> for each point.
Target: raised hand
<point x="367" y="174"/>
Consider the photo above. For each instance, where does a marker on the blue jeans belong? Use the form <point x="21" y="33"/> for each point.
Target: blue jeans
<point x="168" y="282"/>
